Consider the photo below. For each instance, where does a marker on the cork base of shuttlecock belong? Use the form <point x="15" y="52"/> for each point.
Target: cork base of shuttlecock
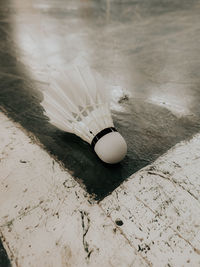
<point x="111" y="148"/>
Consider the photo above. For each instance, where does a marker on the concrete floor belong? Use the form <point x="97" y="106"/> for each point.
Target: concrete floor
<point x="48" y="220"/>
<point x="147" y="51"/>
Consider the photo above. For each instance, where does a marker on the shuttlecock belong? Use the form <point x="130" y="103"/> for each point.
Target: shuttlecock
<point x="77" y="102"/>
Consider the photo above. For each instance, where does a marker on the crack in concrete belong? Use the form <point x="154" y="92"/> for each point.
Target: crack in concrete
<point x="196" y="250"/>
<point x="125" y="237"/>
<point x="174" y="182"/>
<point x="85" y="226"/>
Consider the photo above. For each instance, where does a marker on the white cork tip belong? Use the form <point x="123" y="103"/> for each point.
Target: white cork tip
<point x="111" y="148"/>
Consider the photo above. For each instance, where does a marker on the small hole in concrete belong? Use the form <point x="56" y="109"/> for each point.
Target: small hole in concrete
<point x="119" y="222"/>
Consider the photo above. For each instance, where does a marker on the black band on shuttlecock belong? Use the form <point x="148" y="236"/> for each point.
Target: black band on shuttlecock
<point x="101" y="134"/>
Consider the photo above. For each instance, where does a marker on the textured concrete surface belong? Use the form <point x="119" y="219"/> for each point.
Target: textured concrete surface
<point x="160" y="207"/>
<point x="52" y="186"/>
<point x="47" y="219"/>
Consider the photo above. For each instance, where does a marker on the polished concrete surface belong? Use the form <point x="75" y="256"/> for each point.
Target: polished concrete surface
<point x="147" y="51"/>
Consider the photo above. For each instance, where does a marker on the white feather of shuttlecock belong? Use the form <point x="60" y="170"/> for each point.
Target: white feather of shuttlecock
<point x="76" y="102"/>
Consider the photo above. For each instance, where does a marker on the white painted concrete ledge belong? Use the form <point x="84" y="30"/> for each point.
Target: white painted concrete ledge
<point x="47" y="219"/>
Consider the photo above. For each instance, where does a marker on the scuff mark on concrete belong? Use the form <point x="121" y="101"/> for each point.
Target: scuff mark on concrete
<point x="85" y="226"/>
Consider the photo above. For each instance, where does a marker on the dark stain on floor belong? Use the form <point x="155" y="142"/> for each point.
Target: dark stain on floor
<point x="4" y="261"/>
<point x="150" y="48"/>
